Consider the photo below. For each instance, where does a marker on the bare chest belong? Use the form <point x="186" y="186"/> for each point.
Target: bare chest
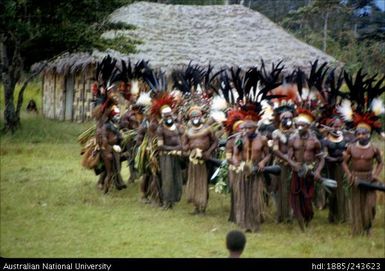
<point x="307" y="145"/>
<point x="362" y="153"/>
<point x="252" y="149"/>
<point x="195" y="134"/>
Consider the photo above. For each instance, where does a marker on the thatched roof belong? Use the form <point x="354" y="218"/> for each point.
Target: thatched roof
<point x="225" y="35"/>
<point x="70" y="63"/>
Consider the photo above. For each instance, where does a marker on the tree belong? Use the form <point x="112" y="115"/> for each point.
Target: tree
<point x="308" y="17"/>
<point x="353" y="32"/>
<point x="32" y="31"/>
<point x="369" y="20"/>
<point x="275" y="10"/>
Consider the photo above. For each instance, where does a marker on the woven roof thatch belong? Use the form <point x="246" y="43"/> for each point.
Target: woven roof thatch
<point x="225" y="35"/>
<point x="70" y="63"/>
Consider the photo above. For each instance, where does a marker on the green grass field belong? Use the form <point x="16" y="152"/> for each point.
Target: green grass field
<point x="50" y="207"/>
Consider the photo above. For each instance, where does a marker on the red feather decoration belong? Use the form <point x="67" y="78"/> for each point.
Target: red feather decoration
<point x="158" y="103"/>
<point x="290" y="93"/>
<point x="251" y="115"/>
<point x="233" y="116"/>
<point x="368" y="118"/>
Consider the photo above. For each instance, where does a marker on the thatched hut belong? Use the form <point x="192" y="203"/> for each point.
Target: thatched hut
<point x="67" y="86"/>
<point x="172" y="35"/>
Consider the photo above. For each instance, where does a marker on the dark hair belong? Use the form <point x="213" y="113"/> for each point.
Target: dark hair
<point x="235" y="241"/>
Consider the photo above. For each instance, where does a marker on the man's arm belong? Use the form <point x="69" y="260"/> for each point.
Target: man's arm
<point x="347" y="156"/>
<point x="279" y="137"/>
<point x="214" y="144"/>
<point x="266" y="154"/>
<point x="229" y="150"/>
<point x="379" y="165"/>
<point x="159" y="135"/>
<point x="320" y="155"/>
<point x="140" y="135"/>
<point x="185" y="142"/>
<point x="276" y="150"/>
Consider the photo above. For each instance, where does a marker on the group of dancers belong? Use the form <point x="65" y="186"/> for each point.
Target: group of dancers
<point x="302" y="136"/>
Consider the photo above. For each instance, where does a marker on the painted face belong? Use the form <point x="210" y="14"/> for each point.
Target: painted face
<point x="196" y="121"/>
<point x="336" y="128"/>
<point x="250" y="131"/>
<point x="168" y="120"/>
<point x="286" y="122"/>
<point x="302" y="127"/>
<point x="363" y="136"/>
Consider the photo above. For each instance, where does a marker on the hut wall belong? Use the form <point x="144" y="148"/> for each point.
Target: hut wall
<point x="49" y="95"/>
<point x="88" y="107"/>
<point x="83" y="96"/>
<point x="59" y="97"/>
<point x="54" y="95"/>
<point x="78" y="98"/>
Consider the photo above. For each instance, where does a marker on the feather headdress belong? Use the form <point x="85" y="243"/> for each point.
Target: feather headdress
<point x="107" y="76"/>
<point x="163" y="101"/>
<point x="253" y="87"/>
<point x="234" y="117"/>
<point x="309" y="91"/>
<point x="144" y="99"/>
<point x="156" y="80"/>
<point x="345" y="110"/>
<point x="366" y="104"/>
<point x="332" y="98"/>
<point x="187" y="79"/>
<point x="210" y="82"/>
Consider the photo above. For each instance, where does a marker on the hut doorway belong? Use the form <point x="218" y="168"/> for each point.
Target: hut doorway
<point x="69" y="96"/>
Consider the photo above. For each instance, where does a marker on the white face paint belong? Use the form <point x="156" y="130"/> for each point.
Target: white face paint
<point x="169" y="121"/>
<point x="287" y="123"/>
<point x="196" y="121"/>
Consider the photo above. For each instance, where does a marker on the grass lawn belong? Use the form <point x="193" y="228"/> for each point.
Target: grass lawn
<point x="50" y="207"/>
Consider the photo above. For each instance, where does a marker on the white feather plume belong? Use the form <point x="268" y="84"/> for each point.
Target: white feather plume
<point x="218" y="116"/>
<point x="268" y="113"/>
<point x="305" y="93"/>
<point x="312" y="94"/>
<point x="135" y="87"/>
<point x="377" y="106"/>
<point x="345" y="109"/>
<point x="218" y="103"/>
<point x="235" y="95"/>
<point x="259" y="87"/>
<point x="144" y="99"/>
<point x="199" y="89"/>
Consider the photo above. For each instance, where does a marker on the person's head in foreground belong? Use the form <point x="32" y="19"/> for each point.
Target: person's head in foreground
<point x="235" y="243"/>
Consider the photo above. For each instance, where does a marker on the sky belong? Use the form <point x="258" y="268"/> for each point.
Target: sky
<point x="381" y="4"/>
